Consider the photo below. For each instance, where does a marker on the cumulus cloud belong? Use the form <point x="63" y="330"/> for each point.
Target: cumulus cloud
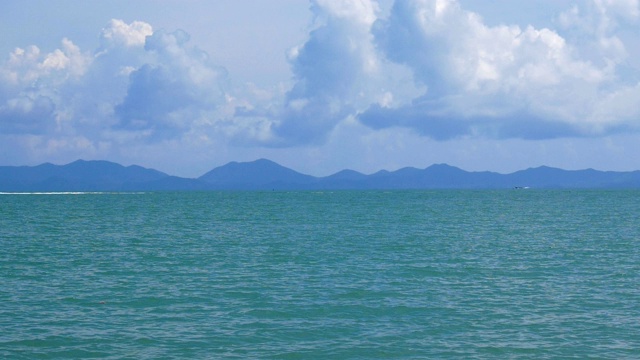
<point x="428" y="66"/>
<point x="138" y="84"/>
<point x="593" y="28"/>
<point x="492" y="81"/>
<point x="478" y="80"/>
<point x="28" y="66"/>
<point x="32" y="85"/>
<point x="119" y="33"/>
<point x="330" y="70"/>
<point x="177" y="87"/>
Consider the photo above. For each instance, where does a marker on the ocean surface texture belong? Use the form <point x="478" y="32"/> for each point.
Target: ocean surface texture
<point x="531" y="274"/>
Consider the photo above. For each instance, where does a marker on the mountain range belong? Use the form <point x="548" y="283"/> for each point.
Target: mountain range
<point x="264" y="174"/>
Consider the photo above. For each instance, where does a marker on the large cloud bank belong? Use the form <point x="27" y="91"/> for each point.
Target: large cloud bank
<point x="506" y="81"/>
<point x="425" y="65"/>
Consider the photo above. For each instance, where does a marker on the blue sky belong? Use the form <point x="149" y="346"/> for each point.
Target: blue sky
<point x="186" y="85"/>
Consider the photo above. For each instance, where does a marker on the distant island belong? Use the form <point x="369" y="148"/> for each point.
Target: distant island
<point x="264" y="174"/>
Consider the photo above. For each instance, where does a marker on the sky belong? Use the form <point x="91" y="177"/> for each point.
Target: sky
<point x="183" y="86"/>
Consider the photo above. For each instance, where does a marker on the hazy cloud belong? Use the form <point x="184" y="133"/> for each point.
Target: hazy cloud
<point x="26" y="115"/>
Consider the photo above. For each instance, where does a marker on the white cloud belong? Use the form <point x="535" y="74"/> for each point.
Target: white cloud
<point x="489" y="81"/>
<point x="620" y="107"/>
<point x="629" y="9"/>
<point x="338" y="71"/>
<point x="32" y="87"/>
<point x="151" y="85"/>
<point x="173" y="90"/>
<point x="28" y="66"/>
<point x="119" y="33"/>
<point x="422" y="68"/>
<point x="361" y="11"/>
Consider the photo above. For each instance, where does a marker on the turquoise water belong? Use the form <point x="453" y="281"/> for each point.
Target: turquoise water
<point x="301" y="275"/>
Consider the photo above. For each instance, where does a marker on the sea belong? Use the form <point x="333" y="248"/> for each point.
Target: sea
<point x="434" y="274"/>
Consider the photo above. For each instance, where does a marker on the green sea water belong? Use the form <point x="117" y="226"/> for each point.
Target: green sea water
<point x="531" y="274"/>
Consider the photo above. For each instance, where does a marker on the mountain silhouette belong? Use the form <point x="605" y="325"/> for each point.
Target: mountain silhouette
<point x="80" y="175"/>
<point x="258" y="174"/>
<point x="263" y="174"/>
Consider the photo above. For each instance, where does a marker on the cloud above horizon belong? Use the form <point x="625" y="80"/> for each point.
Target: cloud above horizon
<point x="429" y="66"/>
<point x="505" y="81"/>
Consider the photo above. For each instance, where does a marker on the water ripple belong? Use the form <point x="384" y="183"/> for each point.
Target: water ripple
<point x="290" y="275"/>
